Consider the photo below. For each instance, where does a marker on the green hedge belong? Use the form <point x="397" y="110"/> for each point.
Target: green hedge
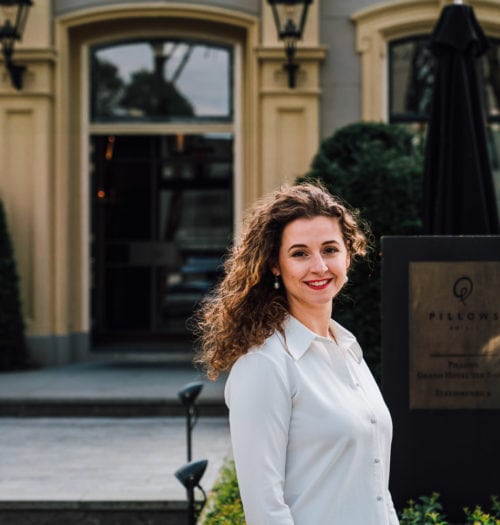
<point x="224" y="506"/>
<point x="376" y="168"/>
<point x="428" y="511"/>
<point x="13" y="350"/>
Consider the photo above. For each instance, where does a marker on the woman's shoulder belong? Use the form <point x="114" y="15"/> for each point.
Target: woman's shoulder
<point x="259" y="369"/>
<point x="271" y="354"/>
<point x="272" y="349"/>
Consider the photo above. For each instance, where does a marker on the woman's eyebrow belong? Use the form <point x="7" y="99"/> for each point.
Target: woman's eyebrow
<point x="293" y="246"/>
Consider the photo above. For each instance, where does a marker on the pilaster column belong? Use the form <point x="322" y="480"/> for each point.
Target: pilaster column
<point x="289" y="118"/>
<point x="26" y="144"/>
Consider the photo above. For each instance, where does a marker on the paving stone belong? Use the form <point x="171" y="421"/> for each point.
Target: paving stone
<point x="101" y="459"/>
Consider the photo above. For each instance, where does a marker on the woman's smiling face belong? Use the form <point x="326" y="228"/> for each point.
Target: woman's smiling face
<point x="312" y="263"/>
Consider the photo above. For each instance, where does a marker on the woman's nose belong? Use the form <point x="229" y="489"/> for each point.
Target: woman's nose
<point x="319" y="264"/>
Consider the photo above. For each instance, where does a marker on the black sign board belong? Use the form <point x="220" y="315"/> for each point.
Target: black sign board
<point x="441" y="367"/>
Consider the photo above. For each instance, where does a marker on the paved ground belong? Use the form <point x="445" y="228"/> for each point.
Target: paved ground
<point x="105" y="458"/>
<point x="131" y="378"/>
<point x="102" y="459"/>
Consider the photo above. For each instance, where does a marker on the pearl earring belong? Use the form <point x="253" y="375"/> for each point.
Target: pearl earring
<point x="346" y="278"/>
<point x="276" y="283"/>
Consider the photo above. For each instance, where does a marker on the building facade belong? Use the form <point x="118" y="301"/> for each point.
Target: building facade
<point x="145" y="128"/>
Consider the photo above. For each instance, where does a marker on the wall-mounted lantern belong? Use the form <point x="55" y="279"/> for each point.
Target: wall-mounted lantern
<point x="13" y="16"/>
<point x="290" y="18"/>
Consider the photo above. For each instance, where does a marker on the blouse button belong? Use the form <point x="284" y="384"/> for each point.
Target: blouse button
<point x="373" y="421"/>
<point x="376" y="460"/>
<point x="379" y="498"/>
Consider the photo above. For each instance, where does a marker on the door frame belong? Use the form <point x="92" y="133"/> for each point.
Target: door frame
<point x="75" y="33"/>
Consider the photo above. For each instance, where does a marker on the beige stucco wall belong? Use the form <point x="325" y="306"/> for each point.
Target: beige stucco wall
<point x="44" y="163"/>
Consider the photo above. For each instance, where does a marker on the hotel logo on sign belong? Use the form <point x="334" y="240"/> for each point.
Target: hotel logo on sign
<point x="454" y="335"/>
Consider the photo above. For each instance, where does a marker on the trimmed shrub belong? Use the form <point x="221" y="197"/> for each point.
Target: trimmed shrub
<point x="426" y="512"/>
<point x="480" y="517"/>
<point x="224" y="506"/>
<point x="376" y="168"/>
<point x="13" y="351"/>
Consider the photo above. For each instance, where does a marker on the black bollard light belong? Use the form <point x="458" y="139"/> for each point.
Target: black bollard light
<point x="190" y="475"/>
<point x="188" y="394"/>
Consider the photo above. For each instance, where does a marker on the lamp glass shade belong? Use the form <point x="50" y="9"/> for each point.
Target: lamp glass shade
<point x="13" y="16"/>
<point x="289" y="17"/>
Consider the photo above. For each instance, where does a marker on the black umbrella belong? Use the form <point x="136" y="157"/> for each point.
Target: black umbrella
<point x="459" y="195"/>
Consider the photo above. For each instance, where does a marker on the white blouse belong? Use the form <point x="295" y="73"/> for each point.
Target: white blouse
<point x="311" y="434"/>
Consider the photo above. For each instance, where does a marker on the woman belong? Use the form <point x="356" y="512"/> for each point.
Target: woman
<point x="310" y="431"/>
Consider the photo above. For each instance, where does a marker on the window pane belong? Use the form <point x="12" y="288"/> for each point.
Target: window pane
<point x="494" y="147"/>
<point x="202" y="235"/>
<point x="205" y="158"/>
<point x="161" y="80"/>
<point x="195" y="216"/>
<point x="202" y="219"/>
<point x="411" y="73"/>
<point x="411" y="79"/>
<point x="491" y="71"/>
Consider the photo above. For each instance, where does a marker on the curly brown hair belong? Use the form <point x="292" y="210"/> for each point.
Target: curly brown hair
<point x="244" y="309"/>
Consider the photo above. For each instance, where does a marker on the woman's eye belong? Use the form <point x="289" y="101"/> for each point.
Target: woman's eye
<point x="330" y="250"/>
<point x="299" y="254"/>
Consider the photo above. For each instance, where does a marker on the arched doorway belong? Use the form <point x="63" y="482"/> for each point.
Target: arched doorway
<point x="88" y="278"/>
<point x="161" y="185"/>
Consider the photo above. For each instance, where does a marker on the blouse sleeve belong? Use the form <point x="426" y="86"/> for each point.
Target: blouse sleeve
<point x="260" y="404"/>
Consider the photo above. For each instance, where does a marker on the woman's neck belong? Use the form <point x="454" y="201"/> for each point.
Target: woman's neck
<point x="317" y="319"/>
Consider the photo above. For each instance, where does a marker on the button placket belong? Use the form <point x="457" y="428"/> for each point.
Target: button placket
<point x="346" y="353"/>
<point x="376" y="461"/>
<point x="337" y="360"/>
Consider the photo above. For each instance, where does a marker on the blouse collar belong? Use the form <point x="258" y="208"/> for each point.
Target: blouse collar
<point x="299" y="338"/>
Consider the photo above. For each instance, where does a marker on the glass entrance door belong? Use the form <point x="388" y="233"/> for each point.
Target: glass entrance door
<point x="162" y="216"/>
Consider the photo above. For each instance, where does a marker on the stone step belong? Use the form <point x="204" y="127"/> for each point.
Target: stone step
<point x="108" y="388"/>
<point x="40" y="407"/>
<point x="103" y="471"/>
<point x="93" y="513"/>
